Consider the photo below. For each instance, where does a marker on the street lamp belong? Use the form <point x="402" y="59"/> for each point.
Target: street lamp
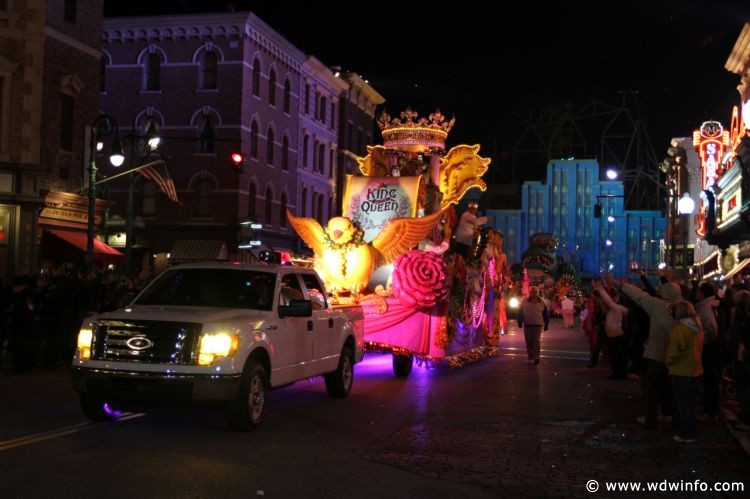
<point x="103" y="126"/>
<point x="147" y="143"/>
<point x="685" y="207"/>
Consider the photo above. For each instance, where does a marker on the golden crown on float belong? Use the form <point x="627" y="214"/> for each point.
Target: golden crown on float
<point x="410" y="132"/>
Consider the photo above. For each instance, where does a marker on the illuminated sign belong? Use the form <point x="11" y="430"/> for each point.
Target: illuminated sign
<point x="709" y="141"/>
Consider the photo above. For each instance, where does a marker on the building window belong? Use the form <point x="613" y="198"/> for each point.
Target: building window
<point x="272" y="88"/>
<point x="305" y="147"/>
<point x="209" y="70"/>
<point x="67" y="108"/>
<point x="69" y="11"/>
<point x="287" y="96"/>
<point x="204" y="198"/>
<point x="208" y="136"/>
<point x="269" y="146"/>
<point x="153" y="71"/>
<point x="251" y="195"/>
<point x="322" y="109"/>
<point x="102" y="74"/>
<point x="333" y="115"/>
<point x="282" y="210"/>
<point x="331" y="160"/>
<point x="148" y="201"/>
<point x="321" y="158"/>
<point x="254" y="140"/>
<point x="285" y="153"/>
<point x="256" y="77"/>
<point x="269" y="206"/>
<point x="307" y="98"/>
<point x="303" y="203"/>
<point x="320" y="207"/>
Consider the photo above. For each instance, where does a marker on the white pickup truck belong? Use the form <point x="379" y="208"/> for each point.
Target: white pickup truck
<point x="215" y="334"/>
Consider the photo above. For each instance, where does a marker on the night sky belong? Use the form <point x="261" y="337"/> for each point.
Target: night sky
<point x="666" y="58"/>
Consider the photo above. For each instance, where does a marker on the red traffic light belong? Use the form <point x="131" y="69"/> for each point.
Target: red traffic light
<point x="238" y="161"/>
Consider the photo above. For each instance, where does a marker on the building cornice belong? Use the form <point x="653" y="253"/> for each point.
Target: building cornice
<point x="363" y="87"/>
<point x="211" y="25"/>
<point x="323" y="75"/>
<point x="739" y="58"/>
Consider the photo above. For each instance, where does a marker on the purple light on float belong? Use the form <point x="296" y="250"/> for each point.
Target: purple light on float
<point x="112" y="412"/>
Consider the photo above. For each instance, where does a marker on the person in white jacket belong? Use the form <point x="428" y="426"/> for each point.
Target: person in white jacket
<point x="614" y="331"/>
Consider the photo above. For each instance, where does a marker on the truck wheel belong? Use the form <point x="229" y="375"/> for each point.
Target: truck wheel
<point x="246" y="412"/>
<point x="93" y="408"/>
<point x="339" y="382"/>
<point x="402" y="365"/>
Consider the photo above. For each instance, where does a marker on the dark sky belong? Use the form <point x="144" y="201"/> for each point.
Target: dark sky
<point x="491" y="69"/>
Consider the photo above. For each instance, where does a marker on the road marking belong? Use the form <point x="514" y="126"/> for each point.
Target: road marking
<point x="59" y="432"/>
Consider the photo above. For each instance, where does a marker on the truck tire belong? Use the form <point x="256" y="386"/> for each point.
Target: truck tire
<point x="402" y="365"/>
<point x="246" y="412"/>
<point x="93" y="408"/>
<point x="339" y="382"/>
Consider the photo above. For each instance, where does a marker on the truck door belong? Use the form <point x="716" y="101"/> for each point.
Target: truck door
<point x="326" y="330"/>
<point x="295" y="338"/>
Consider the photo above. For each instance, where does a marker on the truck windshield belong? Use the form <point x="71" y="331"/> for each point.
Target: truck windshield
<point x="225" y="288"/>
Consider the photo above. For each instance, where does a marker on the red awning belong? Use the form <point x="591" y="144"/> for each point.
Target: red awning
<point x="55" y="248"/>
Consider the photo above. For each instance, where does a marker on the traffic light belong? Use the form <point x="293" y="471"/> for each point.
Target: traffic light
<point x="238" y="161"/>
<point x="597" y="210"/>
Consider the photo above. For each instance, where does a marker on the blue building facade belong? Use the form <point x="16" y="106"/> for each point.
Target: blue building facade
<point x="616" y="242"/>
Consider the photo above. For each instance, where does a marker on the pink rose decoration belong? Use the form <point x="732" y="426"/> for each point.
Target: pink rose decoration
<point x="420" y="278"/>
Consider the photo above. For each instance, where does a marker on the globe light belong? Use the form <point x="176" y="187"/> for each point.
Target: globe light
<point x="611" y="219"/>
<point x="685" y="205"/>
<point x="612" y="174"/>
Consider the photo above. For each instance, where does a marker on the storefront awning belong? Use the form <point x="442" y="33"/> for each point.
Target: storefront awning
<point x="738" y="268"/>
<point x="69" y="246"/>
<point x="186" y="251"/>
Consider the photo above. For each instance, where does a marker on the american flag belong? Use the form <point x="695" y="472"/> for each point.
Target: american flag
<point x="159" y="175"/>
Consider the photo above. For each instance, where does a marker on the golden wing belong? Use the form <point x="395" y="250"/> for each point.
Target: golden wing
<point x="400" y="235"/>
<point x="375" y="164"/>
<point x="460" y="170"/>
<point x="309" y="230"/>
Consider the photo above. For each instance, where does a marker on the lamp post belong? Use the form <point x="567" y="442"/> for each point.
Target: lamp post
<point x="146" y="144"/>
<point x="103" y="126"/>
<point x="685" y="206"/>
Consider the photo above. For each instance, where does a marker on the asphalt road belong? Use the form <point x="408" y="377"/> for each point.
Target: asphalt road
<point x="495" y="428"/>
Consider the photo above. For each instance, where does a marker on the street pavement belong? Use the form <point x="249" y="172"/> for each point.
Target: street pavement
<point x="495" y="428"/>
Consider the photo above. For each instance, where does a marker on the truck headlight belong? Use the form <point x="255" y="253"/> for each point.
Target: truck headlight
<point x="215" y="346"/>
<point x="85" y="335"/>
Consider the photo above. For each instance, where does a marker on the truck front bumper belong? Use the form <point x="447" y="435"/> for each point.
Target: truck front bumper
<point x="148" y="387"/>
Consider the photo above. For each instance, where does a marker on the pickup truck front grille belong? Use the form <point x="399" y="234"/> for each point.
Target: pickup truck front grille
<point x="146" y="341"/>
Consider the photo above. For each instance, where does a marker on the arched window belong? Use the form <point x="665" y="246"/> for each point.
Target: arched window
<point x="204" y="198"/>
<point x="256" y="77"/>
<point x="148" y="201"/>
<point x="282" y="210"/>
<point x="206" y="143"/>
<point x="103" y="74"/>
<point x="287" y="96"/>
<point x="305" y="147"/>
<point x="272" y="88"/>
<point x="285" y="153"/>
<point x="303" y="203"/>
<point x="269" y="206"/>
<point x="269" y="146"/>
<point x="153" y="71"/>
<point x="254" y="140"/>
<point x="208" y="70"/>
<point x="251" y="195"/>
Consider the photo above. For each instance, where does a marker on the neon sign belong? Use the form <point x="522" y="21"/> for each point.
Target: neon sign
<point x="709" y="141"/>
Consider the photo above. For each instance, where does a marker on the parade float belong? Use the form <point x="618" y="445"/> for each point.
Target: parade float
<point x="388" y="261"/>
